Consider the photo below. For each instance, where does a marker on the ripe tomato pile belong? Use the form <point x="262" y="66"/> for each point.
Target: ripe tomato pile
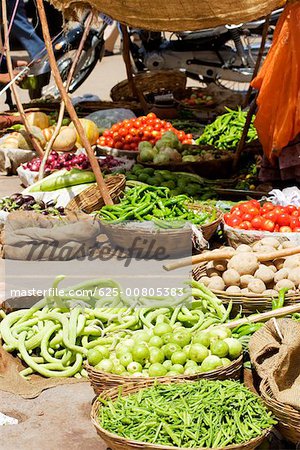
<point x="128" y="134"/>
<point x="268" y="217"/>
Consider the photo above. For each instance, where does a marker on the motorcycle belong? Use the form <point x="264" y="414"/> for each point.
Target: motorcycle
<point x="65" y="46"/>
<point x="225" y="55"/>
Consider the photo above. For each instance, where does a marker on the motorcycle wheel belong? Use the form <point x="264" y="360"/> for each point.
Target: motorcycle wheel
<point x="85" y="66"/>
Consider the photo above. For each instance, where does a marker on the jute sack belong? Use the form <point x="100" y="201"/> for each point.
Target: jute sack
<point x="30" y="236"/>
<point x="175" y="15"/>
<point x="275" y="354"/>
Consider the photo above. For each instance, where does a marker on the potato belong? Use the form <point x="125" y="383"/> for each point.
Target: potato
<point x="257" y="286"/>
<point x="244" y="263"/>
<point x="231" y="277"/>
<point x="287" y="244"/>
<point x="244" y="248"/>
<point x="245" y="280"/>
<point x="216" y="284"/>
<point x="281" y="275"/>
<point x="294" y="275"/>
<point x="256" y="247"/>
<point x="220" y="265"/>
<point x="284" y="284"/>
<point x="270" y="265"/>
<point x="292" y="261"/>
<point x="233" y="290"/>
<point x="204" y="280"/>
<point x="264" y="274"/>
<point x="272" y="242"/>
<point x="245" y="291"/>
<point x="271" y="292"/>
<point x="267" y="249"/>
<point x="278" y="263"/>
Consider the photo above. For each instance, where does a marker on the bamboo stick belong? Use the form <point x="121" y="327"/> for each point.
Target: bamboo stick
<point x="126" y="56"/>
<point x="70" y="108"/>
<point x="228" y="254"/>
<point x="62" y="105"/>
<point x="259" y="57"/>
<point x="263" y="317"/>
<point x="35" y="142"/>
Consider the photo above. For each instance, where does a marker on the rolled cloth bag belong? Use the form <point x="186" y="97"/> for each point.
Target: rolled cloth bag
<point x="34" y="237"/>
<point x="275" y="354"/>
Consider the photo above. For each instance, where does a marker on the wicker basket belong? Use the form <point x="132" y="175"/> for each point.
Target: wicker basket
<point x="236" y="237"/>
<point x="250" y="303"/>
<point x="90" y="199"/>
<point x="102" y="381"/>
<point x="288" y="417"/>
<point x="173" y="241"/>
<point x="180" y="95"/>
<point x="150" y="82"/>
<point x="119" y="443"/>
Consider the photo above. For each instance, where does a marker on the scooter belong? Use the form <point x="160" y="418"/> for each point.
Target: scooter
<point x="225" y="55"/>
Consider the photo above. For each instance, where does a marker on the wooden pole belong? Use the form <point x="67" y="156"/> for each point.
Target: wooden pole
<point x="62" y="105"/>
<point x="126" y="56"/>
<point x="259" y="58"/>
<point x="70" y="108"/>
<point x="35" y="142"/>
<point x="242" y="142"/>
<point x="252" y="108"/>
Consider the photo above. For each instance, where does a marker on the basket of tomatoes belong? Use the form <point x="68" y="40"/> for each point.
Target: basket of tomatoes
<point x="126" y="135"/>
<point x="250" y="221"/>
<point x="195" y="98"/>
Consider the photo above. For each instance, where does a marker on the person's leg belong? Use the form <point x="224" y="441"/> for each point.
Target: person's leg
<point x="23" y="31"/>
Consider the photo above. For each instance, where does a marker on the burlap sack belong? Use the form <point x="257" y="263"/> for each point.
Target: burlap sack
<point x="275" y="354"/>
<point x="32" y="236"/>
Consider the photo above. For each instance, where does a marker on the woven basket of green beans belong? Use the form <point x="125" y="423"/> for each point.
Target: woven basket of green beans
<point x="205" y="414"/>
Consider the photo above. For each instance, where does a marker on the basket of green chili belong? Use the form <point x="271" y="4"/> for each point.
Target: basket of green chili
<point x="205" y="414"/>
<point x="169" y="216"/>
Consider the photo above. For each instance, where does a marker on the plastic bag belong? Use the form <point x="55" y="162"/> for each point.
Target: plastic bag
<point x="108" y="117"/>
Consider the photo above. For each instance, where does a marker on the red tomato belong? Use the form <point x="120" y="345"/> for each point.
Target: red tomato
<point x="168" y="126"/>
<point x="271" y="215"/>
<point x="189" y="136"/>
<point x="107" y="133"/>
<point x="122" y="132"/>
<point x="118" y="145"/>
<point x="247" y="217"/>
<point x="186" y="141"/>
<point x="234" y="221"/>
<point x="227" y="217"/>
<point x="128" y="138"/>
<point x="151" y="116"/>
<point x="296" y="230"/>
<point x="257" y="223"/>
<point x="155" y="134"/>
<point x="253" y="210"/>
<point x="157" y="127"/>
<point x="255" y="203"/>
<point x="279" y="210"/>
<point x="244" y="207"/>
<point x="181" y="135"/>
<point x="290" y="209"/>
<point x="149" y="128"/>
<point x="268" y="225"/>
<point x="133" y="146"/>
<point x="115" y="127"/>
<point x="269" y="206"/>
<point x="237" y="213"/>
<point x="285" y="229"/>
<point x="137" y="123"/>
<point x="276" y="229"/>
<point x="116" y="136"/>
<point x="294" y="222"/>
<point x="245" y="226"/>
<point x="109" y="142"/>
<point x="283" y="220"/>
<point x="295" y="213"/>
<point x="126" y="147"/>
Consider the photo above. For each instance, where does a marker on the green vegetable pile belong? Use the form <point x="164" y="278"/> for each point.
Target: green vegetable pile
<point x="188" y="126"/>
<point x="205" y="413"/>
<point x="178" y="182"/>
<point x="54" y="337"/>
<point x="226" y="131"/>
<point x="155" y="204"/>
<point x="166" y="350"/>
<point x="165" y="151"/>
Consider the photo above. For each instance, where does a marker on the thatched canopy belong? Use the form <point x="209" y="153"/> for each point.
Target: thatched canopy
<point x="177" y="15"/>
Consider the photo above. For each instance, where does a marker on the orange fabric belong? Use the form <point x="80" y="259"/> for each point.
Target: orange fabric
<point x="278" y="117"/>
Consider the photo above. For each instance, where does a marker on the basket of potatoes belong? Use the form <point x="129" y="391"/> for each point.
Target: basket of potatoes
<point x="252" y="284"/>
